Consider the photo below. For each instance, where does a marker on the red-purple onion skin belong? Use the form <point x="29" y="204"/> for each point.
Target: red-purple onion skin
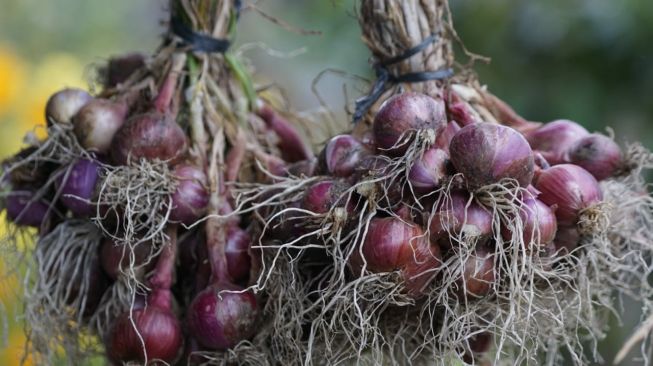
<point x="97" y="123"/>
<point x="456" y="218"/>
<point x="428" y="171"/>
<point x="539" y="223"/>
<point x="486" y="153"/>
<point x="24" y="209"/>
<point x="393" y="244"/>
<point x="321" y="197"/>
<point x="341" y="155"/>
<point x="371" y="166"/>
<point x="78" y="190"/>
<point x="555" y="138"/>
<point x="304" y="168"/>
<point x="479" y="274"/>
<point x="65" y="104"/>
<point x="597" y="154"/>
<point x="149" y="136"/>
<point x="443" y="140"/>
<point x="191" y="197"/>
<point x="406" y="113"/>
<point x="120" y="68"/>
<point x="569" y="189"/>
<point x="219" y="320"/>
<point x="290" y="143"/>
<point x="567" y="239"/>
<point x="115" y="258"/>
<point x="237" y="253"/>
<point x="160" y="331"/>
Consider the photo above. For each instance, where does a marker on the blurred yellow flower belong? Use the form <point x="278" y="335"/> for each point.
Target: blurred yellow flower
<point x="12" y="78"/>
<point x="12" y="355"/>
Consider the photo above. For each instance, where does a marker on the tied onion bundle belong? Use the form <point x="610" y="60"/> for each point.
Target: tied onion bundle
<point x="445" y="227"/>
<point x="138" y="231"/>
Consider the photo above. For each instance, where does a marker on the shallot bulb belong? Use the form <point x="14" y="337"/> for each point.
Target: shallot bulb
<point x="23" y="208"/>
<point x="237" y="253"/>
<point x="401" y="116"/>
<point x="149" y="136"/>
<point x="567" y="239"/>
<point x="459" y="218"/>
<point x="116" y="258"/>
<point x="597" y="154"/>
<point x="478" y="274"/>
<point x="321" y="197"/>
<point x="96" y="124"/>
<point x="341" y="156"/>
<point x="191" y="198"/>
<point x="443" y="140"/>
<point x="486" y="153"/>
<point x="554" y="139"/>
<point x="221" y="316"/>
<point x="65" y="104"/>
<point x="428" y="171"/>
<point x="393" y="244"/>
<point x="539" y="223"/>
<point x="570" y="188"/>
<point x="77" y="186"/>
<point x="151" y="332"/>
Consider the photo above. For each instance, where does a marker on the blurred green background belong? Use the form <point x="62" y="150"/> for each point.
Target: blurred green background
<point x="586" y="60"/>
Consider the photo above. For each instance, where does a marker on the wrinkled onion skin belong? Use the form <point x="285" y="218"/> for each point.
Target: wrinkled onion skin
<point x="597" y="154"/>
<point x="191" y="198"/>
<point x="77" y="192"/>
<point x="219" y="323"/>
<point x="149" y="136"/>
<point x="570" y="189"/>
<point x="486" y="153"/>
<point x="555" y="138"/>
<point x="404" y="113"/>
<point x="64" y="105"/>
<point x="160" y="330"/>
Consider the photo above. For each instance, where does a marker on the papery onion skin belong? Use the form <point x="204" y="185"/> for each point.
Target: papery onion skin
<point x="191" y="197"/>
<point x="24" y="209"/>
<point x="486" y="153"/>
<point x="97" y="123"/>
<point x="237" y="253"/>
<point x="78" y="189"/>
<point x="570" y="189"/>
<point x="115" y="258"/>
<point x="323" y="196"/>
<point x="555" y="138"/>
<point x="539" y="224"/>
<point x="479" y="274"/>
<point x="160" y="331"/>
<point x="459" y="217"/>
<point x="428" y="171"/>
<point x="443" y="140"/>
<point x="402" y="115"/>
<point x="65" y="104"/>
<point x="219" y="320"/>
<point x="393" y="244"/>
<point x="597" y="154"/>
<point x="341" y="156"/>
<point x="151" y="136"/>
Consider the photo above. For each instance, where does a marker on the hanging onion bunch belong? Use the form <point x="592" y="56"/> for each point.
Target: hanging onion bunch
<point x="138" y="231"/>
<point x="446" y="225"/>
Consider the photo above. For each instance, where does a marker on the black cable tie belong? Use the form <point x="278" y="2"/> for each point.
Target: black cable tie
<point x="383" y="77"/>
<point x="201" y="42"/>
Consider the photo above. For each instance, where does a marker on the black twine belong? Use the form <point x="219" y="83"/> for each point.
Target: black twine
<point x="384" y="77"/>
<point x="199" y="42"/>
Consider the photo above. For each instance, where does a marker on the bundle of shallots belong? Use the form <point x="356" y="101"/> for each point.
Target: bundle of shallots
<point x="140" y="250"/>
<point x="445" y="227"/>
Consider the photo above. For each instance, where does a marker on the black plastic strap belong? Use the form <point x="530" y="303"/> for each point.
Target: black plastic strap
<point x="199" y="42"/>
<point x="384" y="77"/>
